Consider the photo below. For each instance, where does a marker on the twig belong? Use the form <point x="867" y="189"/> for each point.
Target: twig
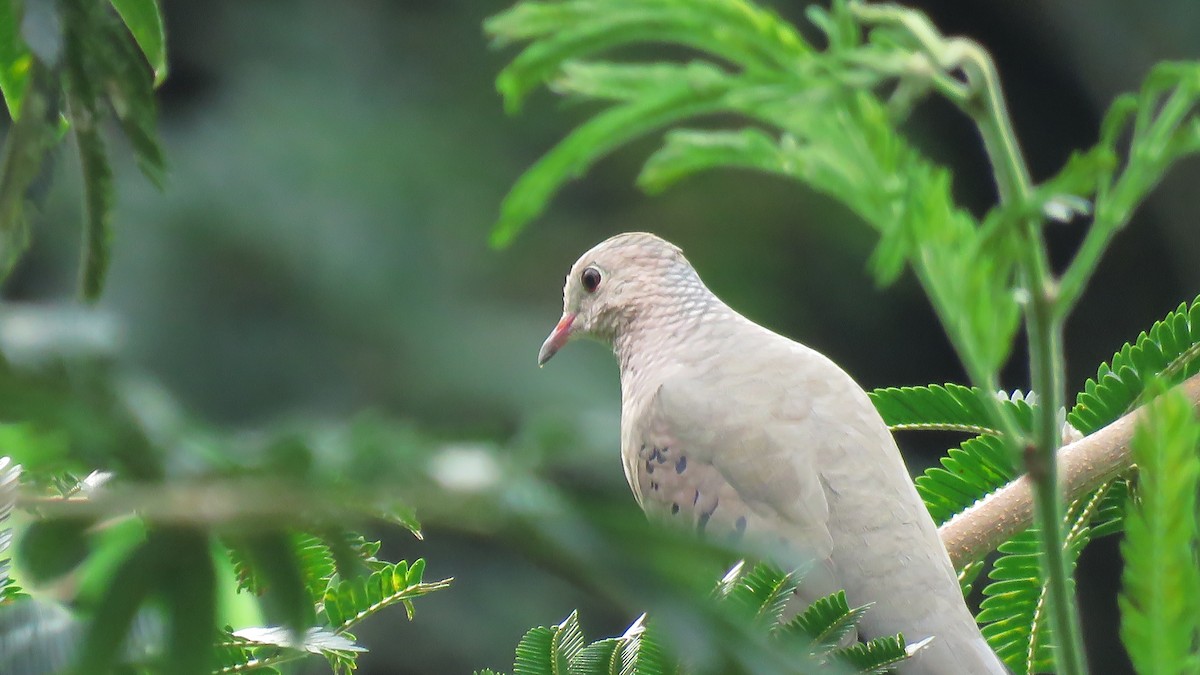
<point x="1083" y="466"/>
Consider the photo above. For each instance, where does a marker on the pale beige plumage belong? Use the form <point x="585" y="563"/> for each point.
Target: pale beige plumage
<point x="738" y="432"/>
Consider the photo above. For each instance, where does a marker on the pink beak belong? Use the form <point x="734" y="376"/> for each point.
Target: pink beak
<point x="558" y="338"/>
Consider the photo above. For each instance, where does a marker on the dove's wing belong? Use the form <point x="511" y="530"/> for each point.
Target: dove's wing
<point x="778" y="444"/>
<point x="735" y="455"/>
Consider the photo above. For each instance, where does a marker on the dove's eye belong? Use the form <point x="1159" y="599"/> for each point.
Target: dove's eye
<point x="590" y="279"/>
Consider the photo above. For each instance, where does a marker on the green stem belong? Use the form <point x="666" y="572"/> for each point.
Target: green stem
<point x="1115" y="206"/>
<point x="1046" y="365"/>
<point x="1046" y="361"/>
<point x="984" y="104"/>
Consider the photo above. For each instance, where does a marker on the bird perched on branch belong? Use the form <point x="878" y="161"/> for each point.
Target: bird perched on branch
<point x="735" y="431"/>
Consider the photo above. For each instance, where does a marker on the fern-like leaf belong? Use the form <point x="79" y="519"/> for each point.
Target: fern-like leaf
<point x="761" y="594"/>
<point x="1169" y="353"/>
<point x="947" y="407"/>
<point x="1160" y="603"/>
<point x="979" y="466"/>
<point x="351" y="600"/>
<point x="875" y="657"/>
<point x="10" y="476"/>
<point x="828" y="621"/>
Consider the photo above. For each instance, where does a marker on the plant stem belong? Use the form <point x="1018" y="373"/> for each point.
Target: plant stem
<point x="1046" y="362"/>
<point x="1046" y="365"/>
<point x="1115" y="205"/>
<point x="984" y="104"/>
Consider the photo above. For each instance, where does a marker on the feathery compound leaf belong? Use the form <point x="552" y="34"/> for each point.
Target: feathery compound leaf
<point x="352" y="600"/>
<point x="10" y="476"/>
<point x="550" y="650"/>
<point x="535" y="654"/>
<point x="1160" y="603"/>
<point x="877" y="656"/>
<point x="596" y="138"/>
<point x="144" y="21"/>
<point x="1012" y="601"/>
<point x="976" y="468"/>
<point x="560" y="32"/>
<point x="602" y="657"/>
<point x="1013" y="607"/>
<point x="948" y="407"/>
<point x="828" y="620"/>
<point x="643" y="653"/>
<point x="15" y="59"/>
<point x="1169" y="351"/>
<point x="760" y="594"/>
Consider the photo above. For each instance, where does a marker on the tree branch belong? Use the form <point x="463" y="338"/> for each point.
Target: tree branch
<point x="1083" y="466"/>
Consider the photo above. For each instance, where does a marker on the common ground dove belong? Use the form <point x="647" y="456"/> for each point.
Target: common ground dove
<point x="737" y="432"/>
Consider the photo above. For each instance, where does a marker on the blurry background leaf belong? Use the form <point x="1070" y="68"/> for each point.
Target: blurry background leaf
<point x="50" y="549"/>
<point x="14" y="58"/>
<point x="144" y="20"/>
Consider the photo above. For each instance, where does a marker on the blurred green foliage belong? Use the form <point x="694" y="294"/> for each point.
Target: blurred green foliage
<point x="320" y="249"/>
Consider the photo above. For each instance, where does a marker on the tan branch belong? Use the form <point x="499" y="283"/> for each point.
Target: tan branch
<point x="1083" y="466"/>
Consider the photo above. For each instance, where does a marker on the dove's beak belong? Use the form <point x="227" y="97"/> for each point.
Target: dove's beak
<point x="558" y="338"/>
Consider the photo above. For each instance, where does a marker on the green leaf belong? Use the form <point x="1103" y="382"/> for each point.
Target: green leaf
<point x="602" y="657"/>
<point x="144" y="20"/>
<point x="189" y="588"/>
<point x="828" y="620"/>
<point x="15" y="58"/>
<point x="877" y="656"/>
<point x="535" y="654"/>
<point x="131" y="583"/>
<point x="687" y="152"/>
<point x="643" y="653"/>
<point x="1160" y="601"/>
<point x="98" y="203"/>
<point x="10" y="477"/>
<point x="761" y="594"/>
<point x="976" y="468"/>
<point x="25" y="148"/>
<point x="51" y="548"/>
<point x="278" y="577"/>
<point x="1169" y="352"/>
<point x="596" y="138"/>
<point x="350" y="601"/>
<point x="750" y="37"/>
<point x="948" y="407"/>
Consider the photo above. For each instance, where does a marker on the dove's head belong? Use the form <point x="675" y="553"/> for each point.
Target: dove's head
<point x="621" y="279"/>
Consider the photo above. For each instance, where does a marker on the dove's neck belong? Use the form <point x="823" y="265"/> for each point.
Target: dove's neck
<point x="679" y="327"/>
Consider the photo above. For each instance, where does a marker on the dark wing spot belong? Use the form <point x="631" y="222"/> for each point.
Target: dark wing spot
<point x="703" y="522"/>
<point x="649" y="467"/>
<point x="739" y="530"/>
<point x="695" y="497"/>
<point x="653" y="485"/>
<point x="674" y="508"/>
<point x="681" y="464"/>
